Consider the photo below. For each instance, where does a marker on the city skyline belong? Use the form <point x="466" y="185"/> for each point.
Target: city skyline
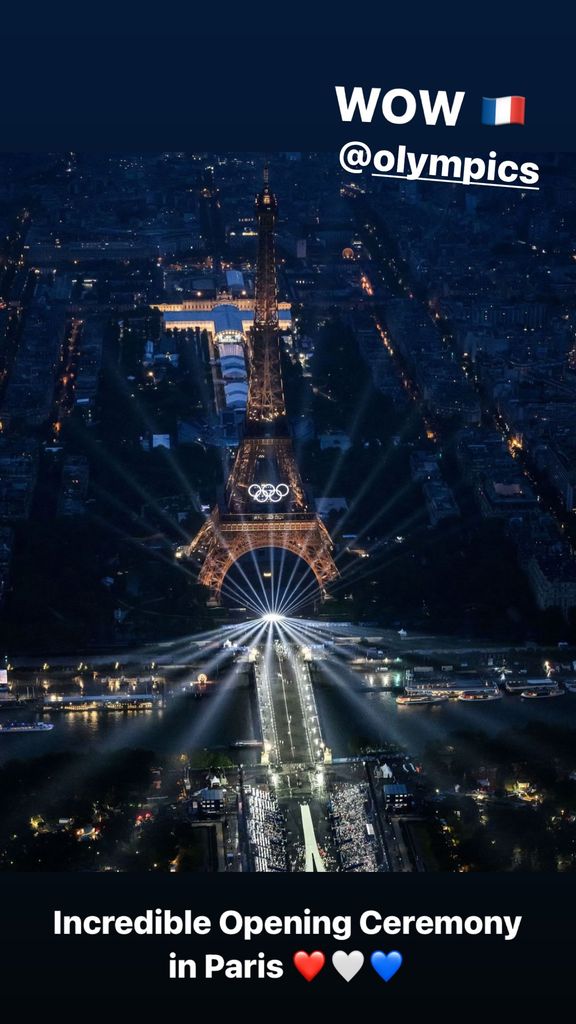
<point x="287" y="509"/>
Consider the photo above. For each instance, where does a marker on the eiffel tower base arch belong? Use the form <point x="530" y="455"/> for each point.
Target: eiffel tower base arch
<point x="223" y="540"/>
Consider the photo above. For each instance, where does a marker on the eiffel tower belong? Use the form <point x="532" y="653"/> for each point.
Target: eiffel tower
<point x="265" y="504"/>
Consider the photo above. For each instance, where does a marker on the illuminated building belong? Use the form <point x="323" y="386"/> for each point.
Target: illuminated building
<point x="207" y="314"/>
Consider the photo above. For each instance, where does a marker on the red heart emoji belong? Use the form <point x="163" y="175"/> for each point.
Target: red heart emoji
<point x="309" y="964"/>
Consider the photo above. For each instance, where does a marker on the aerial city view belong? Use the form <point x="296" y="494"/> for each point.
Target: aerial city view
<point x="287" y="517"/>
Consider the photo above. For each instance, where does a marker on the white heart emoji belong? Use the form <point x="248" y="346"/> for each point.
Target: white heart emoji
<point x="347" y="964"/>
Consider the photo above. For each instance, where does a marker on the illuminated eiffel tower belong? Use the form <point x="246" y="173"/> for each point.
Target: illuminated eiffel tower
<point x="264" y="504"/>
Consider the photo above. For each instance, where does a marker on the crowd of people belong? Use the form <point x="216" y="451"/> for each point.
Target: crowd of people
<point x="353" y="831"/>
<point x="266" y="831"/>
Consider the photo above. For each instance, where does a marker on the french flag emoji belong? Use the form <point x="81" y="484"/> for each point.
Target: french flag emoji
<point x="503" y="110"/>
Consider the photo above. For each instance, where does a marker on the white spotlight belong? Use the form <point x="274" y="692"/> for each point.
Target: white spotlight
<point x="272" y="617"/>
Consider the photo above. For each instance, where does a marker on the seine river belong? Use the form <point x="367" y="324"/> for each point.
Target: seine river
<point x="218" y="720"/>
<point x="376" y="715"/>
<point x="227" y="716"/>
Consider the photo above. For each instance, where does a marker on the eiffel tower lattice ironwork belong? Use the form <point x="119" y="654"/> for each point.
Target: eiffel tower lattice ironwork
<point x="265" y="504"/>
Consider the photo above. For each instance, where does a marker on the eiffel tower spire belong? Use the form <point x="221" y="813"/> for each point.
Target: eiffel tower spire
<point x="266" y="392"/>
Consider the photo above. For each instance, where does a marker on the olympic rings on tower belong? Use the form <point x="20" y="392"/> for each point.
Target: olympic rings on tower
<point x="266" y="494"/>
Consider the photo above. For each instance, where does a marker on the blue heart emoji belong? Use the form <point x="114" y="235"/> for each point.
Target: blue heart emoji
<point x="386" y="964"/>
